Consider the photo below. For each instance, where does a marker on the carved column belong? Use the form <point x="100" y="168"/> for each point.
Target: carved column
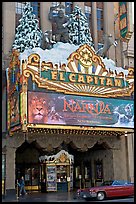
<point x="10" y="173"/>
<point x="109" y="25"/>
<point x="44" y="11"/>
<point x="130" y="157"/>
<point x="94" y="25"/>
<point x="8" y="30"/>
<point x="119" y="161"/>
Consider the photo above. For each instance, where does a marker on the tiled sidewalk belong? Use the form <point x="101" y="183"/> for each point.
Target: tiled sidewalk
<point x="45" y="197"/>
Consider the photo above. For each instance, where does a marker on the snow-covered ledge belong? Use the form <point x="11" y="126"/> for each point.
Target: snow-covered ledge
<point x="57" y="156"/>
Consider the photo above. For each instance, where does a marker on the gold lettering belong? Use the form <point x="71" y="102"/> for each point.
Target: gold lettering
<point x="54" y="75"/>
<point x="109" y="82"/>
<point x="62" y="76"/>
<point x="118" y="82"/>
<point x="96" y="80"/>
<point x="102" y="79"/>
<point x="89" y="79"/>
<point x="81" y="78"/>
<point x="72" y="77"/>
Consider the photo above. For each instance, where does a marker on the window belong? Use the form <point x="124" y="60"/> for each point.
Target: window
<point x="99" y="19"/>
<point x="32" y="176"/>
<point x="55" y="12"/>
<point x="68" y="8"/>
<point x="19" y="10"/>
<point x="19" y="7"/>
<point x="35" y="8"/>
<point x="55" y="4"/>
<point x="88" y="14"/>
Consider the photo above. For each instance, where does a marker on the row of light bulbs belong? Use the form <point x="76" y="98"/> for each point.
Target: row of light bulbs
<point x="80" y="132"/>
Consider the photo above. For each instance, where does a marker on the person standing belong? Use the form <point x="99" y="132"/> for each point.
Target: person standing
<point x="22" y="186"/>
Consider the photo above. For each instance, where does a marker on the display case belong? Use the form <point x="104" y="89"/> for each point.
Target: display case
<point x="59" y="171"/>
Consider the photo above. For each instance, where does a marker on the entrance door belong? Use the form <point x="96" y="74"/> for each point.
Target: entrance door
<point x="87" y="174"/>
<point x="27" y="165"/>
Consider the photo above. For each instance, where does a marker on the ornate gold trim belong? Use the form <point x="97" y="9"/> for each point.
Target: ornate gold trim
<point x="78" y="89"/>
<point x="34" y="67"/>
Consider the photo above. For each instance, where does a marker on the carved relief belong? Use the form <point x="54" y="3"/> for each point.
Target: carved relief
<point x="81" y="143"/>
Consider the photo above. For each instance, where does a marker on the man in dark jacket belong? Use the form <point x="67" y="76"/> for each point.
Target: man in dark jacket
<point x="22" y="186"/>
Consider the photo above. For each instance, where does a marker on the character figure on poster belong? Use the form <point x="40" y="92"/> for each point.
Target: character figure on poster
<point x="37" y="109"/>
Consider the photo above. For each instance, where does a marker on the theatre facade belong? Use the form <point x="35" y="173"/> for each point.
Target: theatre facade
<point x="70" y="125"/>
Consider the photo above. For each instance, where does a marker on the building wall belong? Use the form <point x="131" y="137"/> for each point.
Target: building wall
<point x="8" y="29"/>
<point x="123" y="165"/>
<point x="116" y="153"/>
<point x="8" y="22"/>
<point x="105" y="156"/>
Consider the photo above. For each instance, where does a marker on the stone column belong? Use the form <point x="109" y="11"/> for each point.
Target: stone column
<point x="130" y="153"/>
<point x="94" y="25"/>
<point x="109" y="25"/>
<point x="10" y="173"/>
<point x="119" y="161"/>
<point x="44" y="11"/>
<point x="8" y="29"/>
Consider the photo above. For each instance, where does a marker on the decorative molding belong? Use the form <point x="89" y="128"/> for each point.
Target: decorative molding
<point x="90" y="64"/>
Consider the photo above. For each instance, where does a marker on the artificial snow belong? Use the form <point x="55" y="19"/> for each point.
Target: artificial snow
<point x="61" y="51"/>
<point x="110" y="65"/>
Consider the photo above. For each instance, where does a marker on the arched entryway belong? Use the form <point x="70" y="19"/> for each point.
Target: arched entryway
<point x="27" y="164"/>
<point x="91" y="165"/>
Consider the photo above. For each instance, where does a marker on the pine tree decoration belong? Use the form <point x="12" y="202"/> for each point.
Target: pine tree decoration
<point x="28" y="35"/>
<point x="79" y="32"/>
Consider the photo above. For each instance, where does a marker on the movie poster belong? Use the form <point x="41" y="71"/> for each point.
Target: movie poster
<point x="51" y="178"/>
<point x="53" y="108"/>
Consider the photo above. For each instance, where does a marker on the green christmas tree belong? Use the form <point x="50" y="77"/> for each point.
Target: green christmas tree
<point x="79" y="32"/>
<point x="28" y="35"/>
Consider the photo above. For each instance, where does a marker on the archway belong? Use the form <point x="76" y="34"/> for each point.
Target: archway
<point x="88" y="162"/>
<point x="27" y="164"/>
<point x="85" y="166"/>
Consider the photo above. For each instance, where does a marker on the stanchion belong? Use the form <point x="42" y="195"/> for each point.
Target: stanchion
<point x="17" y="190"/>
<point x="80" y="177"/>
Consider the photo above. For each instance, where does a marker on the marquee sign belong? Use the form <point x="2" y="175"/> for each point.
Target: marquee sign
<point x="85" y="74"/>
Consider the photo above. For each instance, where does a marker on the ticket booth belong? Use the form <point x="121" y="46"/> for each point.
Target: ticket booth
<point x="57" y="171"/>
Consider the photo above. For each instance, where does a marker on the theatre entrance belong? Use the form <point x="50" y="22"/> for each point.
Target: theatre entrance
<point x="27" y="164"/>
<point x="84" y="170"/>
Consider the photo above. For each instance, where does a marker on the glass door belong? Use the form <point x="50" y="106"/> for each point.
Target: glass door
<point x="62" y="174"/>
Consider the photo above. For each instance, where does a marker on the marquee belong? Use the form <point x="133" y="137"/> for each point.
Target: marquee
<point x="84" y="75"/>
